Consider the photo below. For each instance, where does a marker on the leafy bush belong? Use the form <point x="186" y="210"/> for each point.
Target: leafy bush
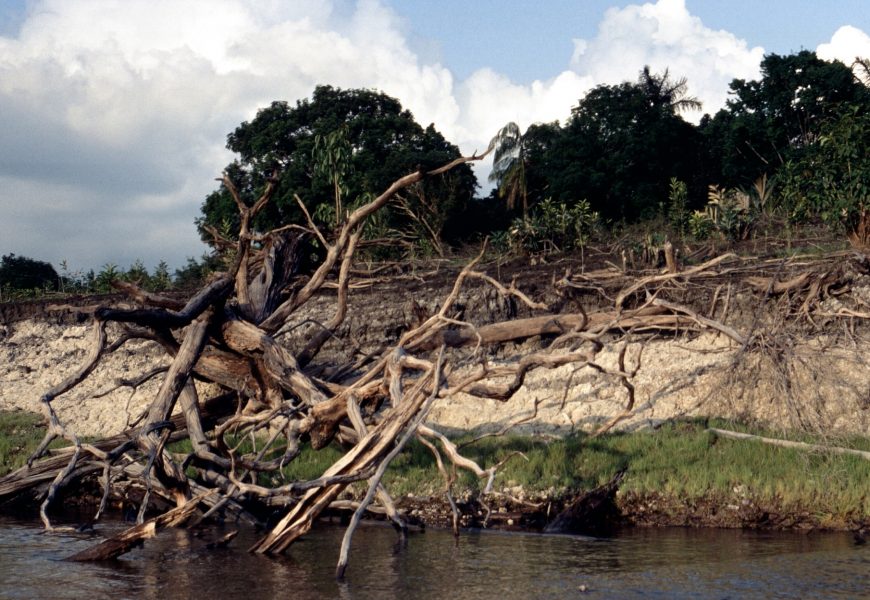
<point x="22" y="273"/>
<point x="731" y="212"/>
<point x="106" y="276"/>
<point x="195" y="273"/>
<point x="701" y="226"/>
<point x="160" y="280"/>
<point x="831" y="180"/>
<point x="553" y="226"/>
<point x="525" y="235"/>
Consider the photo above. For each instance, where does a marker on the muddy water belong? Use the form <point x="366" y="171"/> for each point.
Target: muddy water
<point x="670" y="563"/>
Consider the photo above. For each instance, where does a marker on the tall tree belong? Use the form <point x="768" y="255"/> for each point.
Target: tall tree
<point x="381" y="142"/>
<point x="665" y="93"/>
<point x="770" y="121"/>
<point x="620" y="148"/>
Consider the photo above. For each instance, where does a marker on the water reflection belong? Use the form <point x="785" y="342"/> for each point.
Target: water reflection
<point x="673" y="563"/>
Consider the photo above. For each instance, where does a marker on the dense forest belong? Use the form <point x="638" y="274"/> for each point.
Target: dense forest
<point x="788" y="150"/>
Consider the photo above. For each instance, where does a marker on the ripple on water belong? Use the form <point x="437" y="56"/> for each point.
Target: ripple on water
<point x="669" y="563"/>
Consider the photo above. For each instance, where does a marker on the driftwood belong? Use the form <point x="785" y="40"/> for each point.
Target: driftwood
<point x="591" y="512"/>
<point x="229" y="334"/>
<point x="737" y="435"/>
<point x="124" y="541"/>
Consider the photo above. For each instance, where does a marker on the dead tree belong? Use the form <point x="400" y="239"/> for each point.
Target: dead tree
<point x="227" y="334"/>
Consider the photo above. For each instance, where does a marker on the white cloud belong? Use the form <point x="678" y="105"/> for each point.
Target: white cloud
<point x="489" y="100"/>
<point x="116" y="111"/>
<point x="121" y="108"/>
<point x="847" y="44"/>
<point x="665" y="35"/>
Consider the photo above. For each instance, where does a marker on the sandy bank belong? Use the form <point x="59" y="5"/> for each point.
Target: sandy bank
<point x="827" y="388"/>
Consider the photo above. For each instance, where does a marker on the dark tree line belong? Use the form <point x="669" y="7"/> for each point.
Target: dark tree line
<point x="22" y="273"/>
<point x="623" y="143"/>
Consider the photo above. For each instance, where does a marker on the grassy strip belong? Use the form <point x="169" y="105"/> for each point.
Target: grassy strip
<point x="680" y="460"/>
<point x="20" y="434"/>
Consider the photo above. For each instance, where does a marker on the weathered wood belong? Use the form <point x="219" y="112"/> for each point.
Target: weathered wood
<point x="649" y="317"/>
<point x="354" y="221"/>
<point x="699" y="271"/>
<point x="130" y="538"/>
<point x="671" y="258"/>
<point x="44" y="470"/>
<point x="367" y="452"/>
<point x="248" y="340"/>
<point x="158" y="318"/>
<point x="736" y="435"/>
<point x="227" y="335"/>
<point x="154" y="435"/>
<point x="280" y="264"/>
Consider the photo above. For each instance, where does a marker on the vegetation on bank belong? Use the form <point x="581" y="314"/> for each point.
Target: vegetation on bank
<point x="681" y="461"/>
<point x="20" y="434"/>
<point x="789" y="150"/>
<point x="23" y="278"/>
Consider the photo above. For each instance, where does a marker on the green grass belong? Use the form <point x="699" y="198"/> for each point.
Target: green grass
<point x="20" y="434"/>
<point x="680" y="459"/>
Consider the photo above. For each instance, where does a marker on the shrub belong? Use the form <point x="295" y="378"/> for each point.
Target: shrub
<point x="831" y="179"/>
<point x="701" y="225"/>
<point x="678" y="209"/>
<point x="731" y="212"/>
<point x="554" y="226"/>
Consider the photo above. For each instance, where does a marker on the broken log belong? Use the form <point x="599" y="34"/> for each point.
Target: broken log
<point x="128" y="539"/>
<point x="274" y="398"/>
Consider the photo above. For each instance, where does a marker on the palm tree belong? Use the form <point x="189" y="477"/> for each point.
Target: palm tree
<point x="666" y="93"/>
<point x="509" y="166"/>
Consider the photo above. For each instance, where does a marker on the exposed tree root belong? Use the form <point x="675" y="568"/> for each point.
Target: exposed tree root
<point x="273" y="400"/>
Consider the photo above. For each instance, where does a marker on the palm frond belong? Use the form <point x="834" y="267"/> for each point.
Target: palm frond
<point x="663" y="91"/>
<point x="509" y="165"/>
<point x="687" y="103"/>
<point x="861" y="69"/>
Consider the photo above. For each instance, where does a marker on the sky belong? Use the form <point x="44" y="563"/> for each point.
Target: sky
<point x="114" y="113"/>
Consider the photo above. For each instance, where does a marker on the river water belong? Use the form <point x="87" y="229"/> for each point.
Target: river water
<point x="640" y="563"/>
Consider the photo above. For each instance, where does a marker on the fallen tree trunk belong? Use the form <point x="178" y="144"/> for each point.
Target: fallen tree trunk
<point x="129" y="538"/>
<point x="276" y="399"/>
<point x="737" y="435"/>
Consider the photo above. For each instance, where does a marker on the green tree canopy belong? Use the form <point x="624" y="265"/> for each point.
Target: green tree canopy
<point x="831" y="179"/>
<point x="621" y="146"/>
<point x="771" y="120"/>
<point x="22" y="273"/>
<point x="383" y="141"/>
